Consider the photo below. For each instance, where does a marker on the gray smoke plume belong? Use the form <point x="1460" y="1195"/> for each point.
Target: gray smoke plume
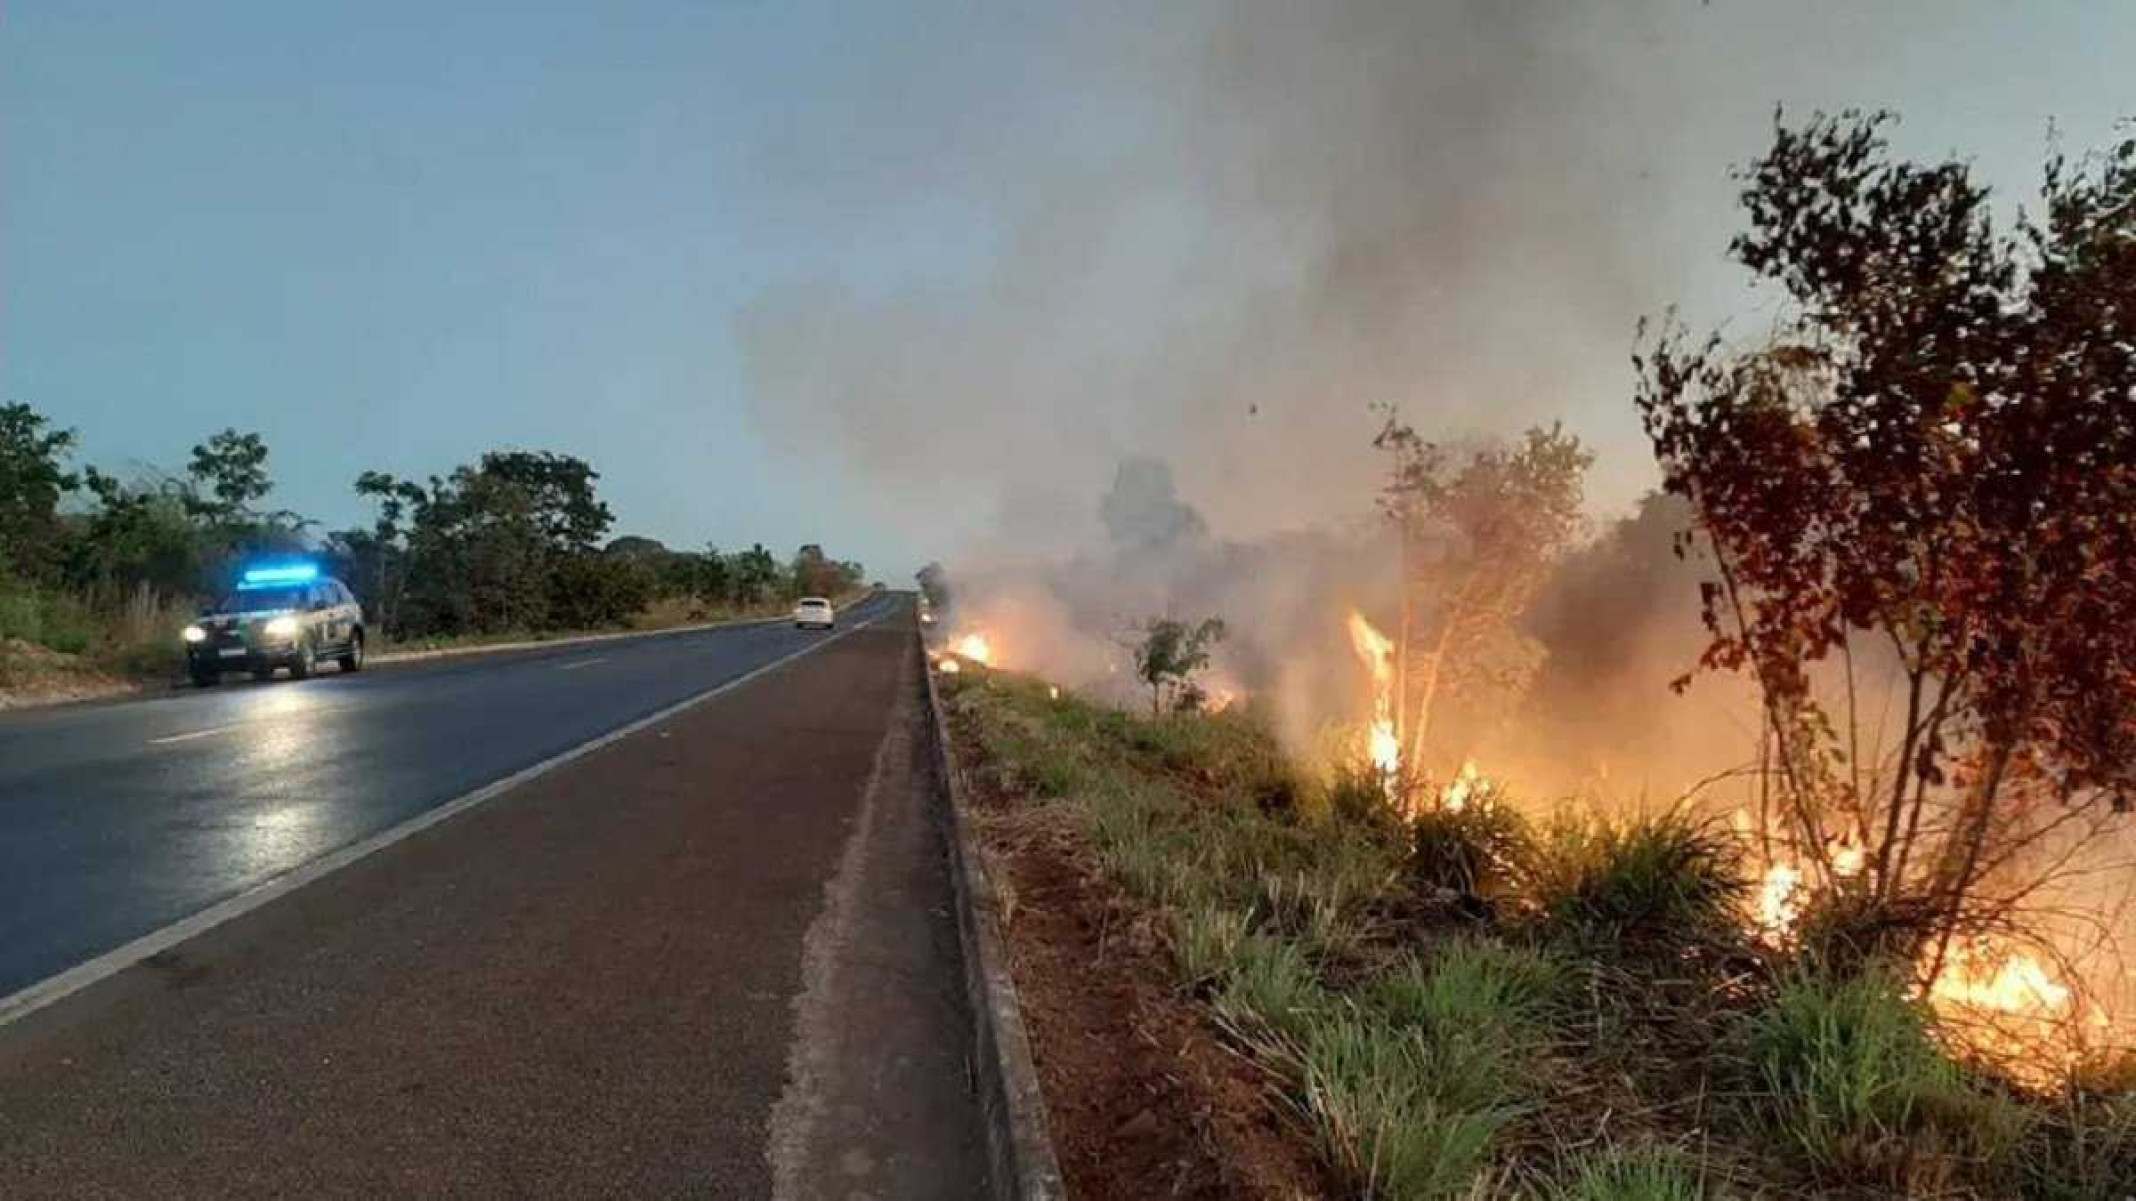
<point x="1206" y="239"/>
<point x="1214" y="234"/>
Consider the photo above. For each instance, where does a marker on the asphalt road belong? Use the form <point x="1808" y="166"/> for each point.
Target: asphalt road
<point x="714" y="956"/>
<point x="116" y="820"/>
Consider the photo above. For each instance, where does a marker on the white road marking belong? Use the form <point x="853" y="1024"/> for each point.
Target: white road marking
<point x="210" y="732"/>
<point x="65" y="984"/>
<point x="582" y="663"/>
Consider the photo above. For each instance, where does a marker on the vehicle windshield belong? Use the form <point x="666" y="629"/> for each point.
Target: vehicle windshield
<point x="815" y="602"/>
<point x="254" y="600"/>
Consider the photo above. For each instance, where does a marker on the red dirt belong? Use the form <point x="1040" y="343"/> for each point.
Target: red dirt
<point x="1143" y="1100"/>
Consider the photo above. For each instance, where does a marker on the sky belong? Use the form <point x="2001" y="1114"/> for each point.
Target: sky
<point x="913" y="280"/>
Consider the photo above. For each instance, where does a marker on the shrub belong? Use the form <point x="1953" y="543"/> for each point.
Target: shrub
<point x="2085" y="1151"/>
<point x="1845" y="931"/>
<point x="1475" y="851"/>
<point x="1356" y="796"/>
<point x="1645" y="1174"/>
<point x="1853" y="1084"/>
<point x="1665" y="876"/>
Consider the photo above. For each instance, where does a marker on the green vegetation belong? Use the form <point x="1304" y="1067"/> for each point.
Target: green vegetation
<point x="1638" y="1175"/>
<point x="1169" y="654"/>
<point x="98" y="574"/>
<point x="1601" y="1029"/>
<point x="1853" y="1082"/>
<point x="1634" y="880"/>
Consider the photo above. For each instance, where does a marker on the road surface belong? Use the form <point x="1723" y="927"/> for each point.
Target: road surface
<point x="118" y="819"/>
<point x="708" y="957"/>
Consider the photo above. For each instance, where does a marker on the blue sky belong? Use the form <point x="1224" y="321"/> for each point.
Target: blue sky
<point x="394" y="238"/>
<point x="903" y="278"/>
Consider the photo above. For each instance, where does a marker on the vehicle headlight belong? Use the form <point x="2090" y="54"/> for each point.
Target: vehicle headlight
<point x="194" y="634"/>
<point x="280" y="627"/>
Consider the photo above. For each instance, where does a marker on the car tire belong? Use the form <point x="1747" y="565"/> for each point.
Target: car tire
<point x="300" y="667"/>
<point x="352" y="658"/>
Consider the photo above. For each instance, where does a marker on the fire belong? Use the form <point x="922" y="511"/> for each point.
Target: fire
<point x="1779" y="900"/>
<point x="2009" y="982"/>
<point x="946" y="665"/>
<point x="2006" y="1005"/>
<point x="1848" y="860"/>
<point x="1785" y="887"/>
<point x="1457" y="794"/>
<point x="1376" y="651"/>
<point x="974" y="646"/>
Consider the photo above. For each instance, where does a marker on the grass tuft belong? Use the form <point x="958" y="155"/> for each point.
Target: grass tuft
<point x="1642" y="1174"/>
<point x="1476" y="851"/>
<point x="2084" y="1150"/>
<point x="1391" y="1117"/>
<point x="1855" y="1085"/>
<point x="1270" y="993"/>
<point x="1471" y="985"/>
<point x="1662" y="877"/>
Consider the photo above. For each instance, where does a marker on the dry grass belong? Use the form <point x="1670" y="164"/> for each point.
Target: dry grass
<point x="1601" y="1028"/>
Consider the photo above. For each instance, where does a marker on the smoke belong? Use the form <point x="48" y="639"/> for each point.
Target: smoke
<point x="1213" y="235"/>
<point x="1195" y="243"/>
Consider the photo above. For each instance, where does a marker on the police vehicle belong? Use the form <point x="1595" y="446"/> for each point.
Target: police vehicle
<point x="288" y="615"/>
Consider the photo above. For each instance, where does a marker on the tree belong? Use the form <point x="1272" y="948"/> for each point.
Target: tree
<point x="586" y="591"/>
<point x="232" y="468"/>
<point x="1170" y="652"/>
<point x="707" y="576"/>
<point x="814" y="574"/>
<point x="756" y="575"/>
<point x="1932" y="463"/>
<point x="560" y="493"/>
<point x="379" y="557"/>
<point x="139" y="534"/>
<point x="226" y="480"/>
<point x="1479" y="534"/>
<point x="32" y="480"/>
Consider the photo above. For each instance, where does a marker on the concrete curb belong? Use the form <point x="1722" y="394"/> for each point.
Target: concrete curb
<point x="1012" y="1106"/>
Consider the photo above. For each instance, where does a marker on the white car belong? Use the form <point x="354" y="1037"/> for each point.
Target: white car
<point x="814" y="611"/>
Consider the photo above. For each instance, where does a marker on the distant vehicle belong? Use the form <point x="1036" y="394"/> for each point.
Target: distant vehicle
<point x="814" y="611"/>
<point x="284" y="616"/>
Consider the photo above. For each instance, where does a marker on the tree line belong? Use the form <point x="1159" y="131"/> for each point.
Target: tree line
<point x="515" y="541"/>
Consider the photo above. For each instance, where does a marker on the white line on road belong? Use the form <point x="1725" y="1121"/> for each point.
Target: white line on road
<point x="207" y="733"/>
<point x="58" y="987"/>
<point x="582" y="663"/>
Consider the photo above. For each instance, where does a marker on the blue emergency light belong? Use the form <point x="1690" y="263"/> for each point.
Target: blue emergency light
<point x="276" y="577"/>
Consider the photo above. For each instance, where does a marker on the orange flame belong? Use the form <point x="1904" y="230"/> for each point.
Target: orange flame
<point x="1376" y="651"/>
<point x="1457" y="794"/>
<point x="974" y="646"/>
<point x="1779" y="900"/>
<point x="2008" y="982"/>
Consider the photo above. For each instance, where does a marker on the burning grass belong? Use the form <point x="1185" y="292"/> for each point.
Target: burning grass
<point x="1465" y="1005"/>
